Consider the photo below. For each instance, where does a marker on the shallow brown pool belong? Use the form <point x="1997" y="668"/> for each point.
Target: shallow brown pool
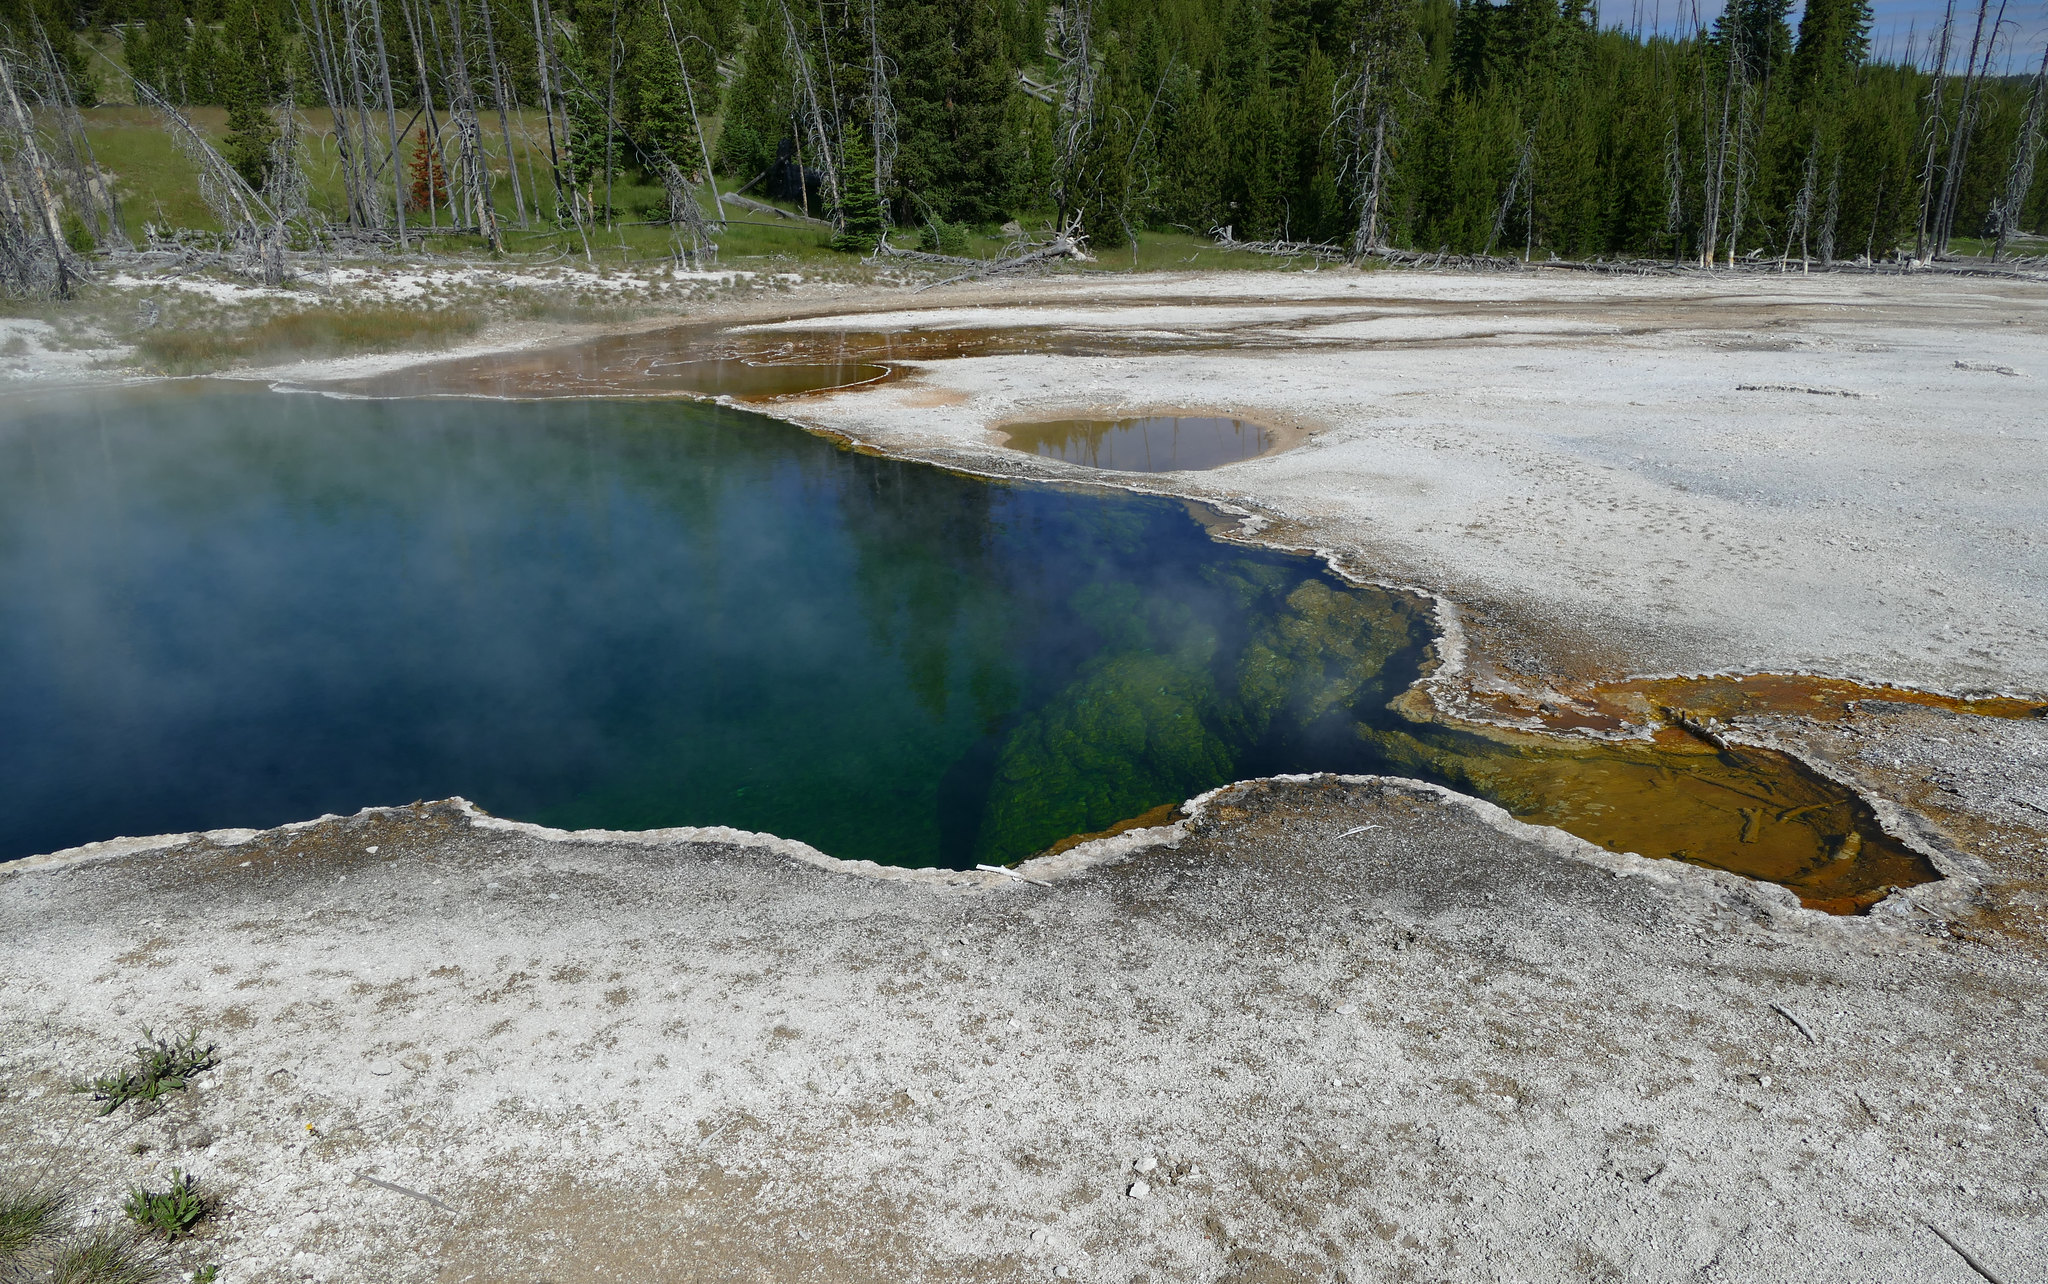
<point x="1149" y="444"/>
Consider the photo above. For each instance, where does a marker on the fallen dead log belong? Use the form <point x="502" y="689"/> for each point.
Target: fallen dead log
<point x="885" y="250"/>
<point x="763" y="207"/>
<point x="1067" y="245"/>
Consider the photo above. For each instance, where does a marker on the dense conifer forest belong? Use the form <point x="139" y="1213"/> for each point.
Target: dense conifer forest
<point x="1523" y="129"/>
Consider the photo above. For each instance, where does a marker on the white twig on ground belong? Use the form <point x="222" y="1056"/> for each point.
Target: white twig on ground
<point x="405" y="1190"/>
<point x="1968" y="1257"/>
<point x="1797" y="1024"/>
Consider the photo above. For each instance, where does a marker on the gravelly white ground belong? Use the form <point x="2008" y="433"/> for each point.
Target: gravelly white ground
<point x="1365" y="1031"/>
<point x="1580" y="452"/>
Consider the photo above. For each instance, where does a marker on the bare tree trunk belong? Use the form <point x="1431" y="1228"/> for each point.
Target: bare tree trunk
<point x="320" y="45"/>
<point x="611" y="108"/>
<point x="391" y="119"/>
<point x="432" y="137"/>
<point x="543" y="43"/>
<point x="812" y="114"/>
<point x="832" y="85"/>
<point x="1744" y="155"/>
<point x="499" y="96"/>
<point x="1523" y="162"/>
<point x="2019" y="179"/>
<point x="1717" y="148"/>
<point x="1069" y="32"/>
<point x="1802" y="206"/>
<point x="1834" y="209"/>
<point x="476" y="175"/>
<point x="696" y="122"/>
<point x="881" y="112"/>
<point x="1959" y="140"/>
<point x="1935" y="97"/>
<point x="1674" y="199"/>
<point x="36" y="182"/>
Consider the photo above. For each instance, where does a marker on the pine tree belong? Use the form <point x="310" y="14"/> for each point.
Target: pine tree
<point x="1757" y="30"/>
<point x="654" y="104"/>
<point x="1190" y="153"/>
<point x="1472" y="47"/>
<point x="1834" y="38"/>
<point x="758" y="107"/>
<point x="958" y="136"/>
<point x="239" y="82"/>
<point x="1258" y="161"/>
<point x="861" y="223"/>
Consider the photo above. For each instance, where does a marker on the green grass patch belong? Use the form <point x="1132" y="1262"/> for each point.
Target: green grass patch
<point x="41" y="1241"/>
<point x="315" y="332"/>
<point x="104" y="1254"/>
<point x="31" y="1217"/>
<point x="161" y="1063"/>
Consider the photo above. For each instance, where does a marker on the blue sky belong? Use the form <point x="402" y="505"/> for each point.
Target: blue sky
<point x="2019" y="47"/>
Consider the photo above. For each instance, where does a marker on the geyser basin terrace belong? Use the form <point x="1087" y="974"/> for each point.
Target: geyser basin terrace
<point x="228" y="607"/>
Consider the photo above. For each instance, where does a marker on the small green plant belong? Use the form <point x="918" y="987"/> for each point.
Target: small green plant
<point x="168" y="1214"/>
<point x="78" y="236"/>
<point x="104" y="1254"/>
<point x="941" y="237"/>
<point x="207" y="1274"/>
<point x="162" y="1063"/>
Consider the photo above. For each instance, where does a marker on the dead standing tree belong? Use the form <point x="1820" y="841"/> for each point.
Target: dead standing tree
<point x="697" y="124"/>
<point x="88" y="193"/>
<point x="471" y="173"/>
<point x="333" y="44"/>
<point x="1975" y="73"/>
<point x="1382" y="55"/>
<point x="881" y="111"/>
<point x="812" y="117"/>
<point x="35" y="258"/>
<point x="254" y="229"/>
<point x="1067" y="34"/>
<point x="2019" y="179"/>
<point x="1933" y="126"/>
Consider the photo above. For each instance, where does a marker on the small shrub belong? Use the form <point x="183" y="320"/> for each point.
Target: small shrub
<point x="103" y="1255"/>
<point x="168" y="1214"/>
<point x="162" y="1063"/>
<point x="941" y="237"/>
<point x="78" y="236"/>
<point x="206" y="1274"/>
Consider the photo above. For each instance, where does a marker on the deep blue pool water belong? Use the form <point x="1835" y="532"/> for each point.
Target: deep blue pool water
<point x="222" y="606"/>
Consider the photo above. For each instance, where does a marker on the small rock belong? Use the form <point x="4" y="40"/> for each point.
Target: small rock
<point x="1346" y="1009"/>
<point x="1763" y="1080"/>
<point x="380" y="1067"/>
<point x="1038" y="1236"/>
<point x="371" y="850"/>
<point x="1062" y="1273"/>
<point x="1145" y="1165"/>
<point x="1139" y="1190"/>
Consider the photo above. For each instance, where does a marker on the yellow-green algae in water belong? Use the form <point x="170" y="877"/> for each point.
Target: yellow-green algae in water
<point x="1144" y="723"/>
<point x="1747" y="810"/>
